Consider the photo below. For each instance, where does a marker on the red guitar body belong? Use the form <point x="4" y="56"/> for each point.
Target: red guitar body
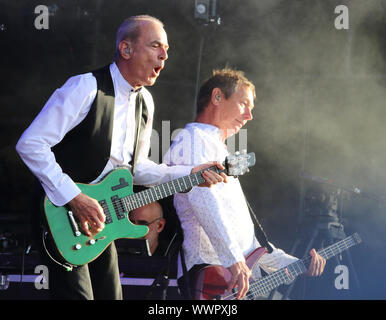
<point x="211" y="281"/>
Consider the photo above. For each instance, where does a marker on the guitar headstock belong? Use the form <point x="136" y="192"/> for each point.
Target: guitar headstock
<point x="356" y="238"/>
<point x="239" y="163"/>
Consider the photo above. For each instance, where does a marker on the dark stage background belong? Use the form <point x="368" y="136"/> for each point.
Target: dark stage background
<point x="320" y="109"/>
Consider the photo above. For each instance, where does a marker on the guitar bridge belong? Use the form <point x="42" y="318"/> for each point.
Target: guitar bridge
<point x="74" y="225"/>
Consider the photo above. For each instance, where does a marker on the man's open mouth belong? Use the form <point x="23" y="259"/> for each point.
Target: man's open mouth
<point x="157" y="70"/>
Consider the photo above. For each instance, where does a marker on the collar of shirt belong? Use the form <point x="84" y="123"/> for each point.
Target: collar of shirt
<point x="212" y="132"/>
<point x="210" y="129"/>
<point x="121" y="86"/>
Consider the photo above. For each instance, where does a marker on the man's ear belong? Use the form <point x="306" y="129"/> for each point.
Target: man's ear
<point x="125" y="49"/>
<point x="161" y="224"/>
<point x="216" y="96"/>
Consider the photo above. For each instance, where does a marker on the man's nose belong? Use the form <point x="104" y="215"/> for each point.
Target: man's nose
<point x="248" y="114"/>
<point x="163" y="54"/>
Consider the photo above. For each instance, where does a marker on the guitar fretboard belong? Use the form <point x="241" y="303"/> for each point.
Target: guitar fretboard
<point x="164" y="190"/>
<point x="266" y="284"/>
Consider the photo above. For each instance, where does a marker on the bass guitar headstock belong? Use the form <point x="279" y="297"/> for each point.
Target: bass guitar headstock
<point x="239" y="163"/>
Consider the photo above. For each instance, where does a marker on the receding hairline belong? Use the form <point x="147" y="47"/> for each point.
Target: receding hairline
<point x="130" y="27"/>
<point x="142" y="18"/>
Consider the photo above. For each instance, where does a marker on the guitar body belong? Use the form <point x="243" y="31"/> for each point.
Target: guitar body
<point x="211" y="281"/>
<point x="79" y="249"/>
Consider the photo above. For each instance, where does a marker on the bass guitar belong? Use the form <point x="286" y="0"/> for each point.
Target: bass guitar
<point x="115" y="195"/>
<point x="211" y="281"/>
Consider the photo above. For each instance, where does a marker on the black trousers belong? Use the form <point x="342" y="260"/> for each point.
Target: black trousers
<point x="97" y="280"/>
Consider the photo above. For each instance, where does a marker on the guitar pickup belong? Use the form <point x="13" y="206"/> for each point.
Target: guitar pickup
<point x="106" y="211"/>
<point x="118" y="207"/>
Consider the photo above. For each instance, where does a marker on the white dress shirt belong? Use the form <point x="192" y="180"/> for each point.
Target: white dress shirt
<point x="216" y="221"/>
<point x="64" y="110"/>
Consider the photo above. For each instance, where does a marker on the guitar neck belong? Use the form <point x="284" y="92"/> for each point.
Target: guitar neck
<point x="338" y="247"/>
<point x="164" y="190"/>
<point x="266" y="284"/>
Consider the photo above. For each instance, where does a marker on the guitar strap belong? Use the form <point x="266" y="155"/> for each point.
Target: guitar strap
<point x="260" y="234"/>
<point x="140" y="123"/>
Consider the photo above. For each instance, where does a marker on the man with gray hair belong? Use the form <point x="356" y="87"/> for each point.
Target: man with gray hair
<point x="87" y="128"/>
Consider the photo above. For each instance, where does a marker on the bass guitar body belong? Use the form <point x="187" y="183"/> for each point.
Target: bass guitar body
<point x="211" y="281"/>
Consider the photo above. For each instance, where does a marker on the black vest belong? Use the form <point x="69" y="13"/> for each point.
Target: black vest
<point x="84" y="151"/>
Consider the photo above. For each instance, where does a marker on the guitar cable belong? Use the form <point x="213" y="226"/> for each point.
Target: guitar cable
<point x="68" y="267"/>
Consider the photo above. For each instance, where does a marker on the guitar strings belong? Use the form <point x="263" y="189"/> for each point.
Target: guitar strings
<point x="136" y="200"/>
<point x="261" y="288"/>
<point x="197" y="176"/>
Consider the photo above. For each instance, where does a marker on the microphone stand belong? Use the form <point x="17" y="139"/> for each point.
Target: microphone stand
<point x="163" y="277"/>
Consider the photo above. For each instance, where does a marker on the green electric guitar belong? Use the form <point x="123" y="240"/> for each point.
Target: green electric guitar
<point x="115" y="195"/>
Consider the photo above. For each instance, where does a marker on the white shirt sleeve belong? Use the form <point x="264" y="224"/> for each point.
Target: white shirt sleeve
<point x="65" y="109"/>
<point x="276" y="260"/>
<point x="148" y="173"/>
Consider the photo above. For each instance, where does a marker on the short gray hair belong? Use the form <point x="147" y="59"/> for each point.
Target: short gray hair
<point x="130" y="29"/>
